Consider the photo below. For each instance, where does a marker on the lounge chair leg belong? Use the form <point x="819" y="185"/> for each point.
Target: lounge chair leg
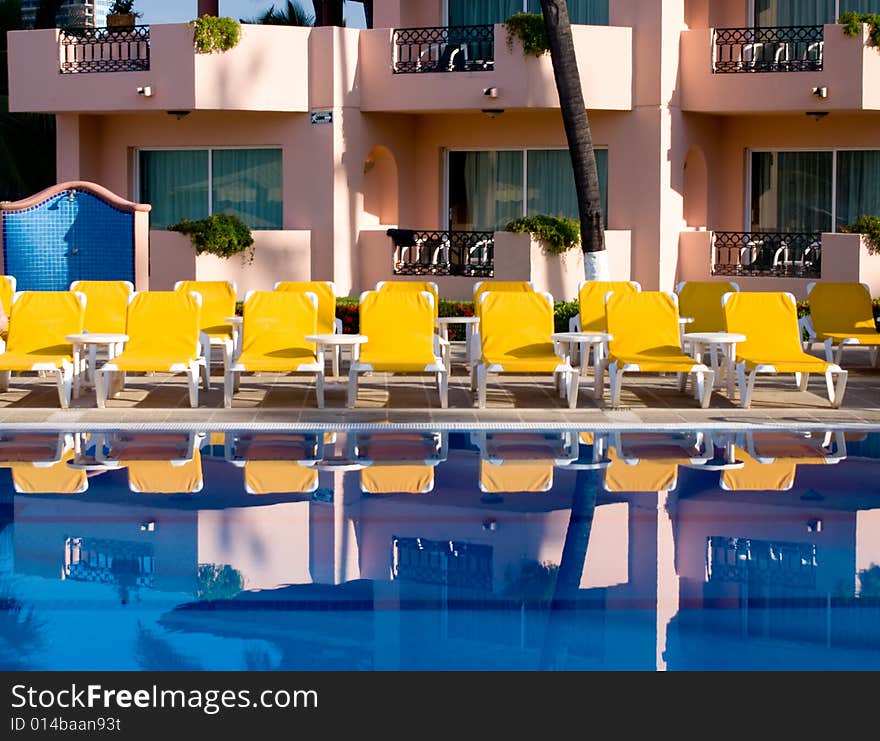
<point x="227" y="388"/>
<point x="63" y="379"/>
<point x="319" y="387"/>
<point x="206" y="375"/>
<point x="481" y="386"/>
<point x="746" y="393"/>
<point x="829" y="353"/>
<point x="599" y="365"/>
<point x="574" y="379"/>
<point x="835" y="395"/>
<point x="4" y="380"/>
<point x="352" y="388"/>
<point x="443" y="385"/>
<point x="615" y="380"/>
<point x="804" y="381"/>
<point x="334" y="358"/>
<point x="705" y="384"/>
<point x="193" y="382"/>
<point x="682" y="381"/>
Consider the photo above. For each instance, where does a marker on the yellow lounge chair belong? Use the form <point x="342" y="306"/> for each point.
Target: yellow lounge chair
<point x="164" y="336"/>
<point x="106" y="306"/>
<point x="591" y="308"/>
<point x="701" y="300"/>
<point x="7" y="291"/>
<point x="218" y="303"/>
<point x="636" y="475"/>
<point x="328" y="322"/>
<point x="399" y="326"/>
<point x="522" y="461"/>
<point x="49" y="478"/>
<point x="753" y="475"/>
<point x="647" y="339"/>
<point x="416" y="286"/>
<point x="156" y="462"/>
<point x="515" y="329"/>
<point x="481" y="287"/>
<point x="274" y="327"/>
<point x="773" y="343"/>
<point x="39" y="321"/>
<point x="842" y="314"/>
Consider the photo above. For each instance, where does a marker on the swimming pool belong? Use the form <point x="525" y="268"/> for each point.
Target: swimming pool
<point x="386" y="548"/>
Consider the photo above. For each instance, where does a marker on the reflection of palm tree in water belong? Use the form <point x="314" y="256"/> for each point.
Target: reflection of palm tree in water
<point x="126" y="572"/>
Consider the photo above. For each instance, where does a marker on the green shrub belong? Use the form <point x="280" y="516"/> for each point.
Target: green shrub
<point x="869" y="228"/>
<point x="529" y="29"/>
<point x="852" y="24"/>
<point x="123" y="7"/>
<point x="220" y="234"/>
<point x="556" y="232"/>
<point x="212" y="34"/>
<point x="562" y="312"/>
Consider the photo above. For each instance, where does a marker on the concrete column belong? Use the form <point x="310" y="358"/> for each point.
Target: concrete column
<point x="67" y="146"/>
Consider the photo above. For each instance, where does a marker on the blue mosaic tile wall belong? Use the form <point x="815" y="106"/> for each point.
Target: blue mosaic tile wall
<point x="71" y="236"/>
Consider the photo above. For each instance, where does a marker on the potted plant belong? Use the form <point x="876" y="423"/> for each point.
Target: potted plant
<point x="121" y="14"/>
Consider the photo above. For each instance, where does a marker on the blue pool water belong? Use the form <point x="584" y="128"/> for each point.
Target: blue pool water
<point x="376" y="549"/>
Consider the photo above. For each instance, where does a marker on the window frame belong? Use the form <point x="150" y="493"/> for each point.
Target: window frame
<point x="136" y="171"/>
<point x="747" y="196"/>
<point x="445" y="220"/>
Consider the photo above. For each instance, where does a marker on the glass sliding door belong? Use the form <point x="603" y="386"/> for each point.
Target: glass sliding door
<point x="585" y="12"/>
<point x="247" y="183"/>
<point x="858" y="186"/>
<point x="769" y="13"/>
<point x="175" y="182"/>
<point x="480" y="12"/>
<point x="550" y="188"/>
<point x="486" y="189"/>
<point x="791" y="191"/>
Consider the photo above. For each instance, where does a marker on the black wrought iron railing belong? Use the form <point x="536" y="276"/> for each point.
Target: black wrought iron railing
<point x="780" y="49"/>
<point x="443" y="49"/>
<point x="465" y="253"/>
<point x="116" y="49"/>
<point x="772" y="254"/>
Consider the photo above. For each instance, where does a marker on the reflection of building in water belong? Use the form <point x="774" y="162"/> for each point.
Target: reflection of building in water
<point x="666" y="573"/>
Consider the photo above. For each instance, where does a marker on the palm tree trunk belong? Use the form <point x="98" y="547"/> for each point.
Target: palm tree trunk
<point x="571" y="567"/>
<point x="577" y="132"/>
<point x="328" y="12"/>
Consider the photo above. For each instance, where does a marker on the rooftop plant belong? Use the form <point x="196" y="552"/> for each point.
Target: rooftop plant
<point x="556" y="232"/>
<point x="852" y="24"/>
<point x="123" y="7"/>
<point x="222" y="235"/>
<point x="529" y="29"/>
<point x="212" y="34"/>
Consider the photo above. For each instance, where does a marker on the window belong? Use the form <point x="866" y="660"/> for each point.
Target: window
<point x="195" y="183"/>
<point x="471" y="13"/>
<point x="486" y="187"/>
<point x="798" y="191"/>
<point x="771" y="13"/>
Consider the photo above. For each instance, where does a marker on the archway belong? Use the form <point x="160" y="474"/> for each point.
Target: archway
<point x="380" y="187"/>
<point x="696" y="188"/>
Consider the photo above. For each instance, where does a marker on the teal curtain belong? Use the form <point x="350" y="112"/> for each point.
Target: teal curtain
<point x="176" y="184"/>
<point x="860" y="6"/>
<point x="551" y="183"/>
<point x="858" y="186"/>
<point x="791" y="191"/>
<point x="480" y="12"/>
<point x="794" y="12"/>
<point x="247" y="183"/>
<point x="585" y="12"/>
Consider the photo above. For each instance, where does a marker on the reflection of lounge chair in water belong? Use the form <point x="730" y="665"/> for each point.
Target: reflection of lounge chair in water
<point x="522" y="462"/>
<point x="276" y="463"/>
<point x="39" y="463"/>
<point x="650" y="461"/>
<point x="157" y="463"/>
<point x="397" y="463"/>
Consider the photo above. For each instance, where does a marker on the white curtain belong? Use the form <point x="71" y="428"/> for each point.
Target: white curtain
<point x="176" y="184"/>
<point x="550" y="188"/>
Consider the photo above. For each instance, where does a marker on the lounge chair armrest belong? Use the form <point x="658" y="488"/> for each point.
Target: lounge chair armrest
<point x="204" y="346"/>
<point x="574" y="324"/>
<point x="337" y="325"/>
<point x="805" y="324"/>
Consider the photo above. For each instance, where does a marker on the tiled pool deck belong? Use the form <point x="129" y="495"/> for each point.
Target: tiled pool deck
<point x="649" y="400"/>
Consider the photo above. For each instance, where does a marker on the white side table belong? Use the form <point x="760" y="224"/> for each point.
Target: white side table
<point x="469" y="322"/>
<point x="714" y="342"/>
<point x="92" y="341"/>
<point x="598" y="341"/>
<point x="354" y="341"/>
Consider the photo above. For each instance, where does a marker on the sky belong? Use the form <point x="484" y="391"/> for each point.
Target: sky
<point x="178" y="11"/>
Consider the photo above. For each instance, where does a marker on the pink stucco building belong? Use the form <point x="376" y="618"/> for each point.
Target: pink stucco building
<point x="734" y="137"/>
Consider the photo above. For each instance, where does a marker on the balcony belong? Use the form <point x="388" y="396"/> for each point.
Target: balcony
<point x="778" y="70"/>
<point x="448" y="69"/>
<point x="101" y="70"/>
